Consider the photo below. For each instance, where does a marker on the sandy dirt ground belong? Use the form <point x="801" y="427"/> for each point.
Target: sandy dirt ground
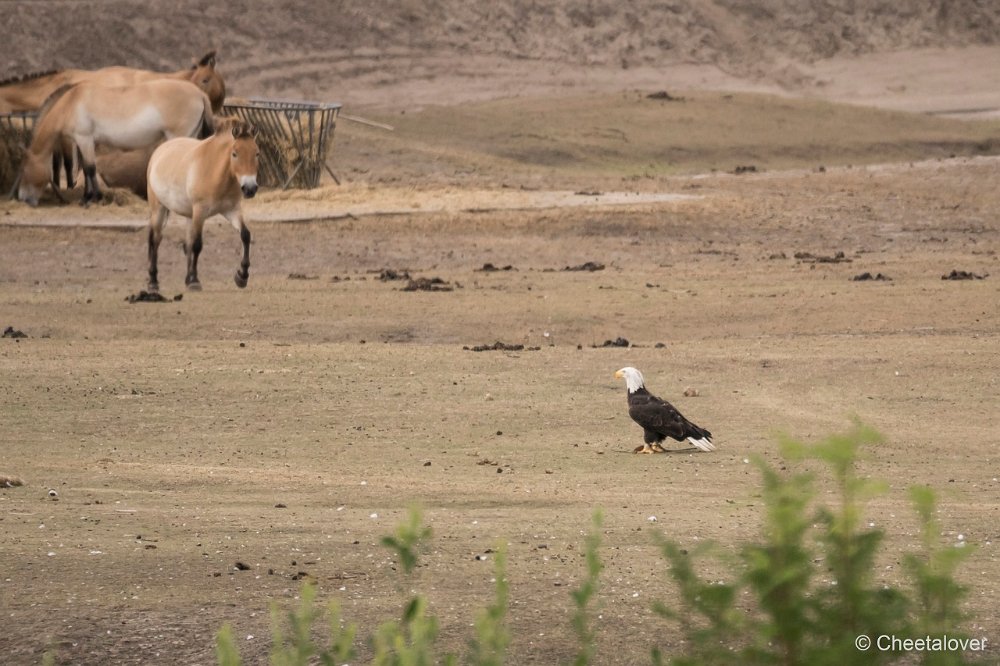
<point x="186" y="464"/>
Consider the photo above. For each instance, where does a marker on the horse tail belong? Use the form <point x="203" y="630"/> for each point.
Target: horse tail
<point x="207" y="120"/>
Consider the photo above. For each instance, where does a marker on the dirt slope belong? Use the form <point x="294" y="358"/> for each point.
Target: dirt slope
<point x="296" y="47"/>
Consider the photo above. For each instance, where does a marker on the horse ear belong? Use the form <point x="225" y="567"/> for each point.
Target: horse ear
<point x="207" y="60"/>
<point x="236" y="130"/>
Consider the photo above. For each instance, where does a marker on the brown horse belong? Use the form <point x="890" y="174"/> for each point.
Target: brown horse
<point x="125" y="169"/>
<point x="199" y="179"/>
<point x="126" y="118"/>
<point x="28" y="93"/>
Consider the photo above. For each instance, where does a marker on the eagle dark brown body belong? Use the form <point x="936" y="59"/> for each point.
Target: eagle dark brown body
<point x="658" y="418"/>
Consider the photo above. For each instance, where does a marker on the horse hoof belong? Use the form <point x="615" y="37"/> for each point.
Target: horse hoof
<point x="194" y="286"/>
<point x="241" y="280"/>
<point x="153" y="289"/>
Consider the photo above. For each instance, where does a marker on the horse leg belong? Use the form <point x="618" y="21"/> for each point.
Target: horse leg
<point x="157" y="219"/>
<point x="62" y="160"/>
<point x="193" y="249"/>
<point x="243" y="274"/>
<point x="88" y="158"/>
<point x="68" y="166"/>
<point x="57" y="159"/>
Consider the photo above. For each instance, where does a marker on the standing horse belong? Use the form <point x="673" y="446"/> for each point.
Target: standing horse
<point x="199" y="179"/>
<point x="28" y="93"/>
<point x="125" y="118"/>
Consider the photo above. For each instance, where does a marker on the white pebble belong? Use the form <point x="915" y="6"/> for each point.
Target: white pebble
<point x="652" y="519"/>
<point x="374" y="515"/>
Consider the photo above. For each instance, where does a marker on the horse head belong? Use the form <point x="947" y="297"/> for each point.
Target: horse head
<point x="36" y="171"/>
<point x="205" y="76"/>
<point x="243" y="159"/>
<point x="35" y="175"/>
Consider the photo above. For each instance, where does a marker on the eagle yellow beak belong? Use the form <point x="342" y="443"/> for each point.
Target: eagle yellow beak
<point x="619" y="374"/>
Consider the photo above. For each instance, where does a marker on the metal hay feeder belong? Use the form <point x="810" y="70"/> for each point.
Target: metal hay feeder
<point x="295" y="139"/>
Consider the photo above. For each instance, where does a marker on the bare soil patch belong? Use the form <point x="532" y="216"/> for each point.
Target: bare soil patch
<point x="172" y="433"/>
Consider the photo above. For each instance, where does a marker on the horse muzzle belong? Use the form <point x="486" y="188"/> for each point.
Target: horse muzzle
<point x="249" y="188"/>
<point x="28" y="195"/>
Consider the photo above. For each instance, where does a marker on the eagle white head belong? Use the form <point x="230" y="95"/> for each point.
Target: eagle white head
<point x="633" y="378"/>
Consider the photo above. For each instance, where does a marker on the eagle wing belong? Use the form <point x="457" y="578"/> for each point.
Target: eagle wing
<point x="657" y="415"/>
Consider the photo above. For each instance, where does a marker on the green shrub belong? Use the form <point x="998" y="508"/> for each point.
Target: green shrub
<point x="489" y="647"/>
<point x="795" y="616"/>
<point x="583" y="596"/>
<point x="297" y="647"/>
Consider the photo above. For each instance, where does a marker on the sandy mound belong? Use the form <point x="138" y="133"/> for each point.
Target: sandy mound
<point x="303" y="49"/>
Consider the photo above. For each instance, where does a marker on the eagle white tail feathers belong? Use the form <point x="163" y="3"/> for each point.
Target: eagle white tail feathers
<point x="704" y="444"/>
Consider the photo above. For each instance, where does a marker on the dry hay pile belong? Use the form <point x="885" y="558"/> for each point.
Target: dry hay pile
<point x="281" y="155"/>
<point x="15" y="135"/>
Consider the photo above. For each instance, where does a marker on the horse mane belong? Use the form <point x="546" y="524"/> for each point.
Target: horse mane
<point x="244" y="130"/>
<point x="239" y="128"/>
<point x="21" y="78"/>
<point x="53" y="98"/>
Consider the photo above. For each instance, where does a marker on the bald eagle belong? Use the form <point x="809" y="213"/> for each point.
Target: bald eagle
<point x="658" y="418"/>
